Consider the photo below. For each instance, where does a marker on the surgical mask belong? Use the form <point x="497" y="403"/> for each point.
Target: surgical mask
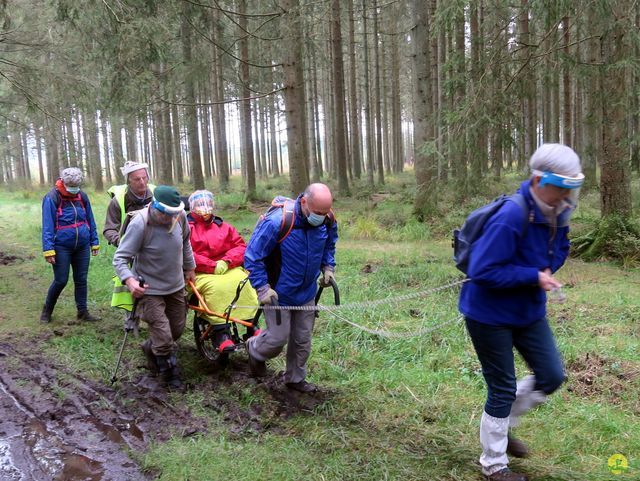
<point x="72" y="190"/>
<point x="315" y="219"/>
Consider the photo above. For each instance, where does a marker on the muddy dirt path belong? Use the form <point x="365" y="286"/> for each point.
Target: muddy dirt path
<point x="56" y="425"/>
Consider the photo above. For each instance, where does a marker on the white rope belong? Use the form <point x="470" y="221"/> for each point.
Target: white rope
<point x="387" y="334"/>
<point x="356" y="305"/>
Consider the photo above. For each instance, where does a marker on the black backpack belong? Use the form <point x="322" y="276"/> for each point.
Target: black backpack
<point x="473" y="227"/>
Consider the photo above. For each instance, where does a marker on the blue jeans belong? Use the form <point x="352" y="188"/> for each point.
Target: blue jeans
<point x="494" y="347"/>
<point x="78" y="259"/>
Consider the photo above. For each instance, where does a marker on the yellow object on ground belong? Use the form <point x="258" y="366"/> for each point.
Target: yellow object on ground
<point x="219" y="290"/>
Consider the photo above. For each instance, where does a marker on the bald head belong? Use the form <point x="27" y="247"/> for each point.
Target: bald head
<point x="317" y="198"/>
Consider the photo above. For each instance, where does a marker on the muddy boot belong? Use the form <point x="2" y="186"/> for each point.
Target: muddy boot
<point x="302" y="386"/>
<point x="516" y="448"/>
<point x="168" y="369"/>
<point x="507" y="475"/>
<point x="222" y="339"/>
<point x="256" y="367"/>
<point x="152" y="363"/>
<point x="85" y="316"/>
<point x="45" y="315"/>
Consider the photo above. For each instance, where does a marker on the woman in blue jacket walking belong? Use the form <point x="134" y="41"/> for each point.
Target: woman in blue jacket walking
<point x="511" y="269"/>
<point x="68" y="236"/>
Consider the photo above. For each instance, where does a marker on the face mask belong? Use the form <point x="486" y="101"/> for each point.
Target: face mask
<point x="315" y="219"/>
<point x="72" y="190"/>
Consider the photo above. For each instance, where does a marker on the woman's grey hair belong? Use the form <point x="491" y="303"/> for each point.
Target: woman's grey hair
<point x="557" y="158"/>
<point x="71" y="176"/>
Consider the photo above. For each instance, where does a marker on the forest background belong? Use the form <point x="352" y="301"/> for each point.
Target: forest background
<point x="414" y="112"/>
<point x="349" y="91"/>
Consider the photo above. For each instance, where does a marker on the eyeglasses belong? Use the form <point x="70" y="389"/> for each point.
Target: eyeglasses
<point x="562" y="181"/>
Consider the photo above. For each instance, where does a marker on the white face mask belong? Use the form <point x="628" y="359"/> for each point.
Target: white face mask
<point x="72" y="190"/>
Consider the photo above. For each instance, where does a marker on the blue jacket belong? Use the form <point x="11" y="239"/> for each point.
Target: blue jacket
<point x="303" y="252"/>
<point x="505" y="261"/>
<point x="69" y="223"/>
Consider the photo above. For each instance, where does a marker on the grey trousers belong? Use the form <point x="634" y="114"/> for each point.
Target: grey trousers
<point x="295" y="330"/>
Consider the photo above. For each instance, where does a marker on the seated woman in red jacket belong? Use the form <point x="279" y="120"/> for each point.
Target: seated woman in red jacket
<point x="218" y="250"/>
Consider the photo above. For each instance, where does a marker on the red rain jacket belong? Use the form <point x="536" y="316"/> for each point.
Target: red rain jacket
<point x="213" y="241"/>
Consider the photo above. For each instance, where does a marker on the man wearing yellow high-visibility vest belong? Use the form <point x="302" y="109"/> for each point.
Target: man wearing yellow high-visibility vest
<point x="134" y="195"/>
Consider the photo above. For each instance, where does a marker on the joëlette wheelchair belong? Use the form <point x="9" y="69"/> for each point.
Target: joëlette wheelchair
<point x="203" y="330"/>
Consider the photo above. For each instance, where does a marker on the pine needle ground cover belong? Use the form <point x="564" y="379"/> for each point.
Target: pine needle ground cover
<point x="402" y="407"/>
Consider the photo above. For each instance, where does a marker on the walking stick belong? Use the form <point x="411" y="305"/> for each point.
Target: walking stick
<point x="127" y="330"/>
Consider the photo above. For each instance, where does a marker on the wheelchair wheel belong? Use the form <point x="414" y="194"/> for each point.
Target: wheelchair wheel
<point x="206" y="346"/>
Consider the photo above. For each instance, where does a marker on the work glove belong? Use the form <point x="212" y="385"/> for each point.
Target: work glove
<point x="327" y="276"/>
<point x="221" y="267"/>
<point x="266" y="295"/>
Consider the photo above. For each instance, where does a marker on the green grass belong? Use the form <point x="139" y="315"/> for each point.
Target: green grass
<point x="403" y="408"/>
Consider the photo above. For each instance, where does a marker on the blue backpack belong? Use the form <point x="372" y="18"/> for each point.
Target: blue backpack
<point x="473" y="227"/>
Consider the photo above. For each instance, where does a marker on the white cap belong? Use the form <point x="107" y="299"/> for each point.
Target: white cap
<point x="130" y="166"/>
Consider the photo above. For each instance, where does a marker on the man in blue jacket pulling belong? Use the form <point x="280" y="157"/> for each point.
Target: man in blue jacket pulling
<point x="284" y="270"/>
<point x="511" y="267"/>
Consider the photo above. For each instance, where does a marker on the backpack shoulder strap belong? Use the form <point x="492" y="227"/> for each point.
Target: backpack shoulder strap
<point x="524" y="205"/>
<point x="288" y="219"/>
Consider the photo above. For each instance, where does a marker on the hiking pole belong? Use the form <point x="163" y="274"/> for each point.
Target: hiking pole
<point x="126" y="332"/>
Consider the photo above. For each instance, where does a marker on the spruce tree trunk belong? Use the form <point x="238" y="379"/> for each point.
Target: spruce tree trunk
<point x="176" y="143"/>
<point x="396" y="105"/>
<point x="376" y="97"/>
<point x="294" y="96"/>
<point x="39" y="146"/>
<point x="93" y="151"/>
<point x="116" y="140"/>
<point x="218" y="109"/>
<point x="354" y="118"/>
<point x="273" y="136"/>
<point x="338" y="96"/>
<point x="190" y="111"/>
<point x="615" y="180"/>
<point x="246" y="136"/>
<point x="369" y="141"/>
<point x="566" y="85"/>
<point x="425" y="165"/>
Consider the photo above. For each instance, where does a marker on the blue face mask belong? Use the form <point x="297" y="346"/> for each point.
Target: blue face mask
<point x="72" y="190"/>
<point x="315" y="219"/>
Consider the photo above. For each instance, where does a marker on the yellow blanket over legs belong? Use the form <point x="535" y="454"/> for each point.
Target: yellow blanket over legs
<point x="219" y="290"/>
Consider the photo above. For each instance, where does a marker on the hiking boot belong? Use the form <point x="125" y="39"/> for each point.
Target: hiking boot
<point x="506" y="475"/>
<point x="45" y="315"/>
<point x="152" y="363"/>
<point x="86" y="316"/>
<point x="257" y="368"/>
<point x="517" y="448"/>
<point x="168" y="369"/>
<point x="302" y="386"/>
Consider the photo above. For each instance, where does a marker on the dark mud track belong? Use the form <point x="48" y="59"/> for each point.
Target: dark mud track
<point x="56" y="425"/>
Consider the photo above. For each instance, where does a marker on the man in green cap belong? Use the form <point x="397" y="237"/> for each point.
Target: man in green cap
<point x="157" y="247"/>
